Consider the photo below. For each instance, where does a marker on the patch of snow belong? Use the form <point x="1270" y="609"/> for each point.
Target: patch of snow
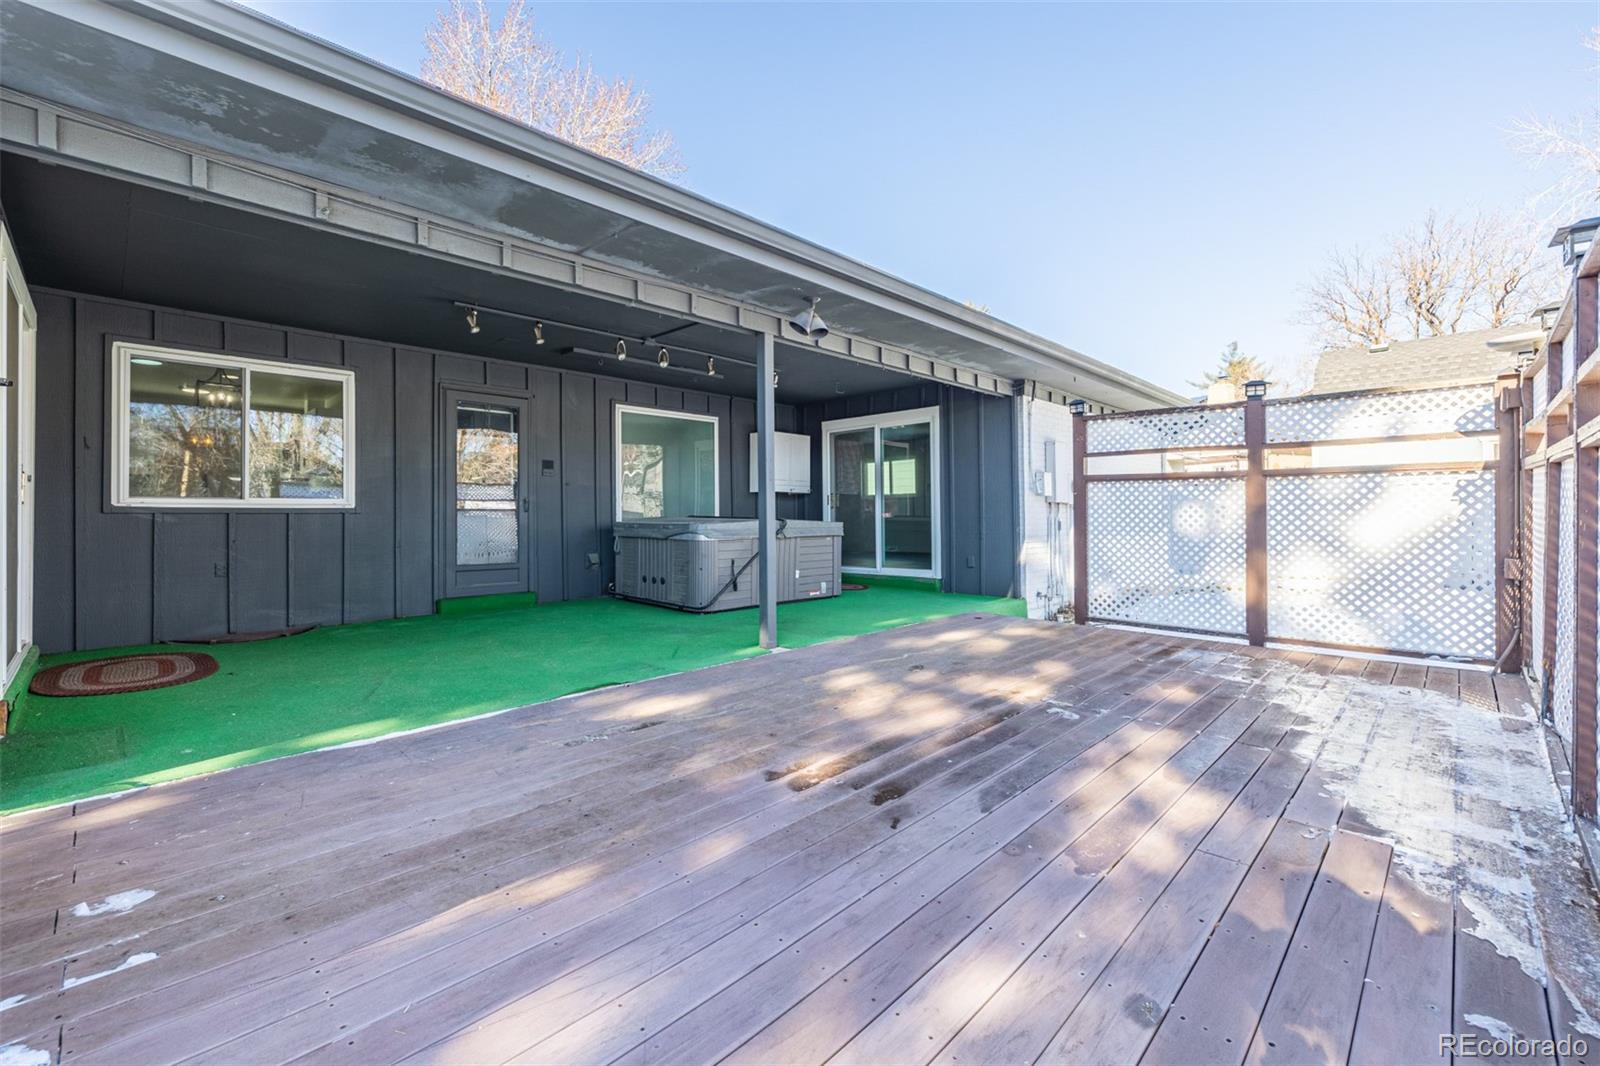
<point x="116" y="903"/>
<point x="1513" y="945"/>
<point x="23" y="1055"/>
<point x="12" y="1001"/>
<point x="126" y="964"/>
<point x="1497" y="1029"/>
<point x="1465" y="797"/>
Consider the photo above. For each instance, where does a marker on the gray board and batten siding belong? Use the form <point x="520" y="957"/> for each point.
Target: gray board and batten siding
<point x="978" y="525"/>
<point x="107" y="577"/>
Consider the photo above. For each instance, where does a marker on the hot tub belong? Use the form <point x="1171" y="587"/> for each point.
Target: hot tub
<point x="706" y="564"/>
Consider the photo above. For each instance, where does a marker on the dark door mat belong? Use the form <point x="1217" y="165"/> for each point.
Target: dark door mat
<point x="124" y="673"/>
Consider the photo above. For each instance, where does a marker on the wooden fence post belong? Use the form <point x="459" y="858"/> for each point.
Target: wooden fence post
<point x="1080" y="515"/>
<point x="1586" y="546"/>
<point x="1509" y="587"/>
<point x="1255" y="513"/>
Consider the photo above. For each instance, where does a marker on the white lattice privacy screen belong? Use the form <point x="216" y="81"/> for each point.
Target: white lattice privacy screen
<point x="1564" y="657"/>
<point x="1168" y="553"/>
<point x="1188" y="427"/>
<point x="1462" y="409"/>
<point x="1399" y="561"/>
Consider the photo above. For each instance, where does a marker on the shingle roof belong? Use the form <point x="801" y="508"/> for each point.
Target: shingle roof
<point x="1419" y="363"/>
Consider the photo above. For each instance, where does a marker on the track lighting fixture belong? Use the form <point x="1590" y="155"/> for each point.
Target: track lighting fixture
<point x="474" y="313"/>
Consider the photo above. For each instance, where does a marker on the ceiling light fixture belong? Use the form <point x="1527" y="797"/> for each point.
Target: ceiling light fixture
<point x="663" y="360"/>
<point x="472" y="320"/>
<point x="808" y="323"/>
<point x="622" y="349"/>
<point x="538" y="333"/>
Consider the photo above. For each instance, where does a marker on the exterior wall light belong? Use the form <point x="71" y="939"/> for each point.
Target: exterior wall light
<point x="808" y="323"/>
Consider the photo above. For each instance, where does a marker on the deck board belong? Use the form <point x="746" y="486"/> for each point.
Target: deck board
<point x="1405" y="1004"/>
<point x="1215" y="1013"/>
<point x="1310" y="1015"/>
<point x="979" y="839"/>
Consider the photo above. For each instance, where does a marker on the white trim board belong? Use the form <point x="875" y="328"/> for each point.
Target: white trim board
<point x="121" y="356"/>
<point x="618" y="410"/>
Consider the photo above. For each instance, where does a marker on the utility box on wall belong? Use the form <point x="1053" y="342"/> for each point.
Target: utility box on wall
<point x="791" y="463"/>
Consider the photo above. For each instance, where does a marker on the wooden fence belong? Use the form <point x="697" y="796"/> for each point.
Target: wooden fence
<point x="1560" y="397"/>
<point x="1364" y="521"/>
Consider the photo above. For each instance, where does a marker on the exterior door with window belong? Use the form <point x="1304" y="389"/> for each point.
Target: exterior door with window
<point x="881" y="480"/>
<point x="486" y="542"/>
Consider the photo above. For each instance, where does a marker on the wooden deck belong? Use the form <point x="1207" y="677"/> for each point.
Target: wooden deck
<point x="971" y="841"/>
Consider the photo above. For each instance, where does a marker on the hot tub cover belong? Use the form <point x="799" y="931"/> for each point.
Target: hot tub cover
<point x="720" y="528"/>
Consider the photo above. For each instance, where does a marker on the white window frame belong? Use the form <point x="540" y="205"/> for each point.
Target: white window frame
<point x="689" y="416"/>
<point x="877" y="423"/>
<point x="122" y="354"/>
<point x="13" y="283"/>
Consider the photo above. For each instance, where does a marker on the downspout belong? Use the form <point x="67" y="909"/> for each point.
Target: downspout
<point x="1021" y="458"/>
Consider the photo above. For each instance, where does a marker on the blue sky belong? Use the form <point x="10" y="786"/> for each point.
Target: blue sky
<point x="1142" y="182"/>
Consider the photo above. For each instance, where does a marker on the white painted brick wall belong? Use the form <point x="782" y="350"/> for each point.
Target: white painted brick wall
<point x="1046" y="528"/>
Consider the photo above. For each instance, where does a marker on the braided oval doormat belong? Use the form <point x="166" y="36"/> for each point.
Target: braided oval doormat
<point x="124" y="673"/>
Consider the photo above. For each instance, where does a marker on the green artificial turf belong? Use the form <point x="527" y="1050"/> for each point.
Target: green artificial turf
<point x="468" y="604"/>
<point x="343" y="683"/>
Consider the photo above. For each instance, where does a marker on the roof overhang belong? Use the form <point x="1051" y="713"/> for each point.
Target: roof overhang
<point x="225" y="103"/>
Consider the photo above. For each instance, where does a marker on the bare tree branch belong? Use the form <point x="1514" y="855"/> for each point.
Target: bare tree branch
<point x="1442" y="276"/>
<point x="1351" y="301"/>
<point x="1572" y="147"/>
<point x="508" y="68"/>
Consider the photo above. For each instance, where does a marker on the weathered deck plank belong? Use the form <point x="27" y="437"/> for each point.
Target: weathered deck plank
<point x="1405" y="1005"/>
<point x="980" y="839"/>
<point x="387" y="960"/>
<point x="1311" y="1012"/>
<point x="1215" y="1013"/>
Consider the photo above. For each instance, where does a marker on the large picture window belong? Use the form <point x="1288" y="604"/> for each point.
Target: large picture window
<point x="196" y="430"/>
<point x="666" y="464"/>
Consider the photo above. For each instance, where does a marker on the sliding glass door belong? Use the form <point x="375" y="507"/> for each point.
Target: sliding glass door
<point x="881" y="475"/>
